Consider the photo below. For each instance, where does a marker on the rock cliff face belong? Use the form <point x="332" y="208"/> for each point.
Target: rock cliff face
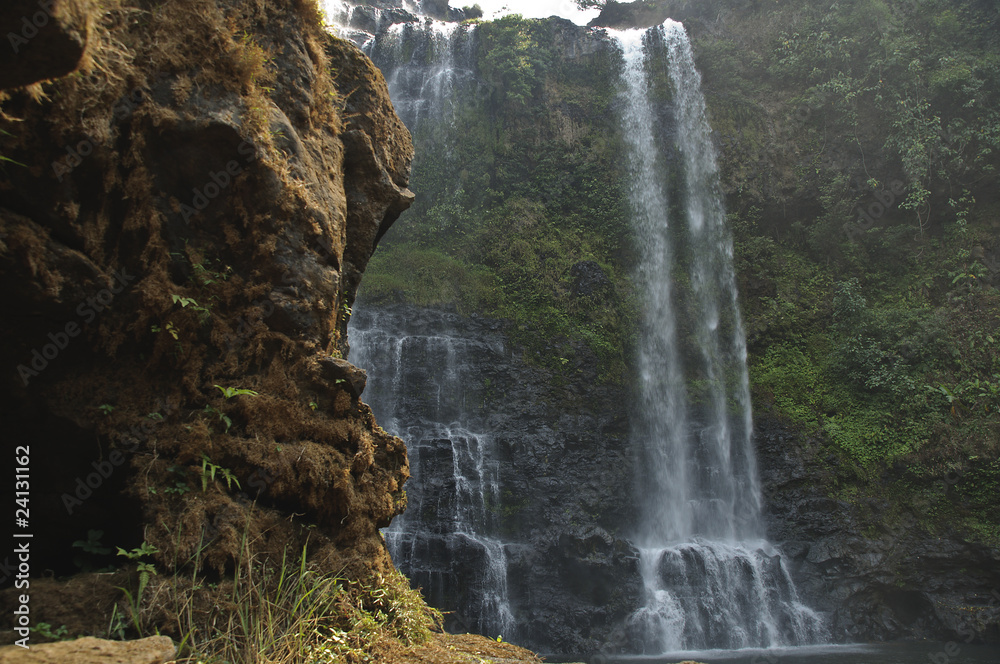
<point x="183" y="225"/>
<point x="44" y="39"/>
<point x="555" y="495"/>
<point x="894" y="582"/>
<point x="566" y="504"/>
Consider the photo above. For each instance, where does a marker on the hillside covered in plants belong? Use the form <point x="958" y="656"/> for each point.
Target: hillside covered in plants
<point x="858" y="147"/>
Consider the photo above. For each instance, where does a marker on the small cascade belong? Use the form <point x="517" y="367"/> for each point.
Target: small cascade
<point x="726" y="595"/>
<point x="447" y="541"/>
<point x="710" y="578"/>
<point x="426" y="63"/>
<point x="361" y="22"/>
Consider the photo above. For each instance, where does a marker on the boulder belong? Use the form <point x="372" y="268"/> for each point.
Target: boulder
<point x="45" y="39"/>
<point x="88" y="650"/>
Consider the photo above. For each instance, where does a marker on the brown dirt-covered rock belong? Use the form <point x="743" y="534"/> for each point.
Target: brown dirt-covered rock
<point x="182" y="230"/>
<point x="43" y="39"/>
<point x="462" y="649"/>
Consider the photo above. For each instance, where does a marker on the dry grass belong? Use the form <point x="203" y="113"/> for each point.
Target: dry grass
<point x="281" y="614"/>
<point x="292" y="614"/>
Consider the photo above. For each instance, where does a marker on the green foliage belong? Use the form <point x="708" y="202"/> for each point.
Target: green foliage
<point x="93" y="544"/>
<point x="874" y="93"/>
<point x="169" y="328"/>
<point x="44" y="629"/>
<point x="180" y="488"/>
<point x="879" y="340"/>
<point x="8" y="160"/>
<point x="512" y="195"/>
<point x="145" y="549"/>
<point x="204" y="275"/>
<point x="220" y="415"/>
<point x="204" y="313"/>
<point x="145" y="570"/>
<point x="512" y="60"/>
<point x="209" y="470"/>
<point x="93" y="548"/>
<point x="865" y="356"/>
<point x="473" y="11"/>
<point x="428" y="277"/>
<point x="281" y="612"/>
<point x="230" y="392"/>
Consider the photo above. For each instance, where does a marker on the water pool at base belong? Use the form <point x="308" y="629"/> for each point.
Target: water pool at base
<point x="909" y="652"/>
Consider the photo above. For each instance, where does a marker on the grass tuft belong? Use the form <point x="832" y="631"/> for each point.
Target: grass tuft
<point x="287" y="613"/>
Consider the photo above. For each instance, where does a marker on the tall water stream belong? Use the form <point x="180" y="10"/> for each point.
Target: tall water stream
<point x="710" y="578"/>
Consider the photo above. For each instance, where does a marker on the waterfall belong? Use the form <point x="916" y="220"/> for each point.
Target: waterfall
<point x="425" y="64"/>
<point x="711" y="580"/>
<point x="447" y="541"/>
<point x="709" y="577"/>
<point x="420" y="388"/>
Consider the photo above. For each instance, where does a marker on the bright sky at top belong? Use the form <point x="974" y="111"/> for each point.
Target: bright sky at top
<point x="533" y="9"/>
<point x="527" y="8"/>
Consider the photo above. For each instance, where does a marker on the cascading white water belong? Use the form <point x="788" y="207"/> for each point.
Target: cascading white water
<point x="419" y="389"/>
<point x="427" y="62"/>
<point x="447" y="540"/>
<point x="710" y="578"/>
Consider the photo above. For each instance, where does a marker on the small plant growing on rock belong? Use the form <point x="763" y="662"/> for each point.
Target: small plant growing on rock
<point x="180" y="488"/>
<point x="92" y="546"/>
<point x="225" y="419"/>
<point x="208" y="471"/>
<point x="230" y="392"/>
<point x="204" y="313"/>
<point x="146" y="570"/>
<point x="227" y="393"/>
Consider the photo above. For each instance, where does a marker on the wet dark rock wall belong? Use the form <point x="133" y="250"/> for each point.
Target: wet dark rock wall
<point x="558" y="442"/>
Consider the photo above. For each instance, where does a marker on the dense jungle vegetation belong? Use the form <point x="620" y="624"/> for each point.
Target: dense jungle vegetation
<point x="858" y="142"/>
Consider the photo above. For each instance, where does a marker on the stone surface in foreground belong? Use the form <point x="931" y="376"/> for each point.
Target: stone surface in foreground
<point x="88" y="650"/>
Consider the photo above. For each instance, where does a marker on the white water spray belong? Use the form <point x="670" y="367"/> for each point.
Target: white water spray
<point x="710" y="578"/>
<point x="451" y="524"/>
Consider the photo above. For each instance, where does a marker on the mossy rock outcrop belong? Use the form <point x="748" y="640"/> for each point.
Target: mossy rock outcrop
<point x="183" y="225"/>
